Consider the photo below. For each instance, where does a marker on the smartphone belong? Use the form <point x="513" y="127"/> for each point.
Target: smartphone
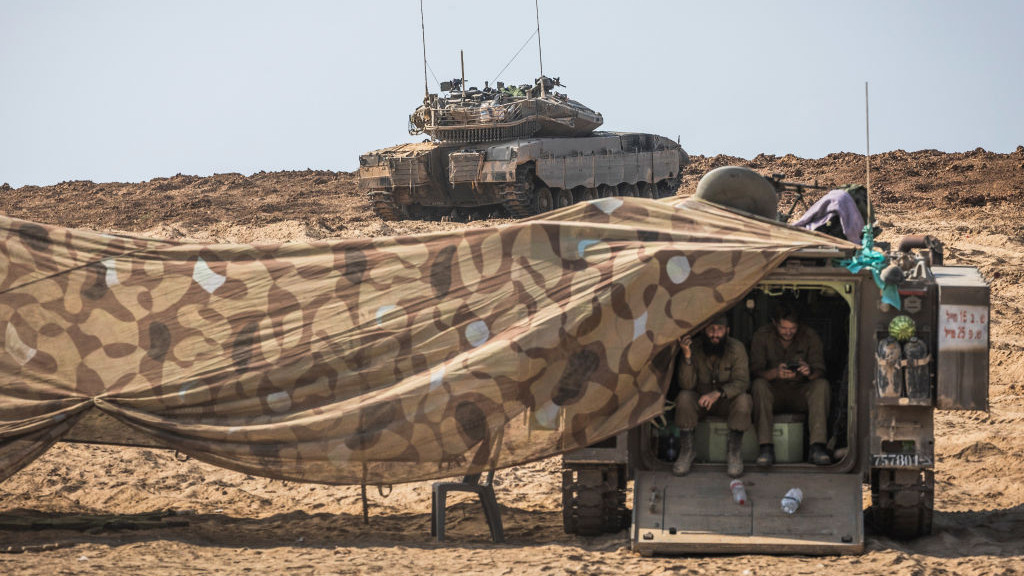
<point x="794" y="366"/>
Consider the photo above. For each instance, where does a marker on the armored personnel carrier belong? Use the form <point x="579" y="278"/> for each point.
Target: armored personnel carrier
<point x="890" y="366"/>
<point x="524" y="149"/>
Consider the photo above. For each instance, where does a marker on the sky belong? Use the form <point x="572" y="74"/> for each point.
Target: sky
<point x="130" y="90"/>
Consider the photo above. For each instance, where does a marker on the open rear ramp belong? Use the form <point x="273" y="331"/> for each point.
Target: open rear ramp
<point x="696" y="514"/>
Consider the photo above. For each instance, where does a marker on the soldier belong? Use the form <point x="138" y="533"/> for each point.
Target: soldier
<point x="788" y="365"/>
<point x="713" y="378"/>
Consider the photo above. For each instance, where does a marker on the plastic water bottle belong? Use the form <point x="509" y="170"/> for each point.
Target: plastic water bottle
<point x="739" y="493"/>
<point x="791" y="501"/>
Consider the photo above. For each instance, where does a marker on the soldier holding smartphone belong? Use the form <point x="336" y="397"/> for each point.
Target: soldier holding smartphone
<point x="788" y="367"/>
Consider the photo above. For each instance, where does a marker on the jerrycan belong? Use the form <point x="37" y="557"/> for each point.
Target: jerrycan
<point x="916" y="355"/>
<point x="889" y="373"/>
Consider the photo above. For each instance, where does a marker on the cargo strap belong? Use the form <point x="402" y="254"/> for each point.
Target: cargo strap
<point x="916" y="362"/>
<point x="903" y="363"/>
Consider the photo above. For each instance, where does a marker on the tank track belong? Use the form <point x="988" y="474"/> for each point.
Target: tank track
<point x="518" y="199"/>
<point x="902" y="502"/>
<point x="594" y="499"/>
<point x="385" y="207"/>
<point x="517" y="203"/>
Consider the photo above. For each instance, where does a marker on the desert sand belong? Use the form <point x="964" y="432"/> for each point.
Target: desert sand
<point x="86" y="509"/>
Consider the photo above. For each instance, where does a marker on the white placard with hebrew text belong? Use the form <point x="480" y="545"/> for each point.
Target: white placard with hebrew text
<point x="962" y="327"/>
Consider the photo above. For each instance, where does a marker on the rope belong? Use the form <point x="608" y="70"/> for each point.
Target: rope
<point x="513" y="57"/>
<point x="434" y="75"/>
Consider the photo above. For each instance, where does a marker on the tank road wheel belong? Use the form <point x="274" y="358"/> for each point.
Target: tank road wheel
<point x="518" y="199"/>
<point x="628" y="190"/>
<point x="902" y="501"/>
<point x="646" y="190"/>
<point x="542" y="200"/>
<point x="385" y="207"/>
<point x="606" y="191"/>
<point x="563" y="198"/>
<point x="667" y="188"/>
<point x="585" y="194"/>
<point x="594" y="499"/>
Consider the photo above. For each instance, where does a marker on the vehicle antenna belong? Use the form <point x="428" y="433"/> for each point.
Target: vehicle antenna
<point x="423" y="32"/>
<point x="540" y="53"/>
<point x="462" y="66"/>
<point x="867" y="155"/>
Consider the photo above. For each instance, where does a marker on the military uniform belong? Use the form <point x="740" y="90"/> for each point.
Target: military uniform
<point x="728" y="374"/>
<point x="800" y="394"/>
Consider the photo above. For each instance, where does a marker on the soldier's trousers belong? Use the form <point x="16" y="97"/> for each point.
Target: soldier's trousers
<point x="789" y="396"/>
<point x="735" y="410"/>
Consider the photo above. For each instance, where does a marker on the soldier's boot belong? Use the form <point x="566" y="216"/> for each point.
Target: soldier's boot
<point x="687" y="453"/>
<point x="819" y="455"/>
<point x="767" y="455"/>
<point x="733" y="454"/>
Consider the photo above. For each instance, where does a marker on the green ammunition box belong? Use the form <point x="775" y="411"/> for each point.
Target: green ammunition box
<point x="712" y="435"/>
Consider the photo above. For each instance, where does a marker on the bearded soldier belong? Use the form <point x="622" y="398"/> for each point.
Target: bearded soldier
<point x="713" y="376"/>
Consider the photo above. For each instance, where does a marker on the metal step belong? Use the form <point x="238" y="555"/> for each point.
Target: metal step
<point x="695" y="514"/>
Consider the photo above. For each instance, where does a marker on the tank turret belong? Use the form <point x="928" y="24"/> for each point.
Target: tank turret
<point x="501" y="113"/>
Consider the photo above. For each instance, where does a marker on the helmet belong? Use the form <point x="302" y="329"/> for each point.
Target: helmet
<point x="741" y="189"/>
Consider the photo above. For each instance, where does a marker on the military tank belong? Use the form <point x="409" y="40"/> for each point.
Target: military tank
<point x="519" y="150"/>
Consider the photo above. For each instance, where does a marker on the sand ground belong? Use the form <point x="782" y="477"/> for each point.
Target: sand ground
<point x="229" y="523"/>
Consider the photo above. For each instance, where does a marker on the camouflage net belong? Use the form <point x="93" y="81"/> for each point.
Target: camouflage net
<point x="373" y="360"/>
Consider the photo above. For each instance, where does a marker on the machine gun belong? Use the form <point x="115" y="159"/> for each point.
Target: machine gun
<point x="797" y="191"/>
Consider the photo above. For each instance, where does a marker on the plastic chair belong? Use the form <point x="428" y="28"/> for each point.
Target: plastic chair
<point x="471" y="483"/>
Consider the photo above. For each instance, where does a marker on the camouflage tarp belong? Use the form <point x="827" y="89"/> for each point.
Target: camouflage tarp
<point x="372" y="360"/>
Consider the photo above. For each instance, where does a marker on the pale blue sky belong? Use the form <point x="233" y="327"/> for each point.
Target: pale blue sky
<point x="131" y="90"/>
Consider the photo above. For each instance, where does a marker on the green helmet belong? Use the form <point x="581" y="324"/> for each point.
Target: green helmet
<point x="741" y="189"/>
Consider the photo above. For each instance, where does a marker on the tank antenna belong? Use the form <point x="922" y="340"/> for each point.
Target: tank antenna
<point x="867" y="155"/>
<point x="540" y="53"/>
<point x="462" y="66"/>
<point x="423" y="33"/>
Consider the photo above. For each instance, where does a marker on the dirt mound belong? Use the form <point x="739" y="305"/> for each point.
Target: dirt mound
<point x="327" y="200"/>
<point x="924" y="179"/>
<point x="329" y="203"/>
<point x="972" y="201"/>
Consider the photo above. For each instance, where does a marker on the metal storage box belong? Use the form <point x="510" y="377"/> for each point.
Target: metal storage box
<point x="712" y="435"/>
<point x="963" y="338"/>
